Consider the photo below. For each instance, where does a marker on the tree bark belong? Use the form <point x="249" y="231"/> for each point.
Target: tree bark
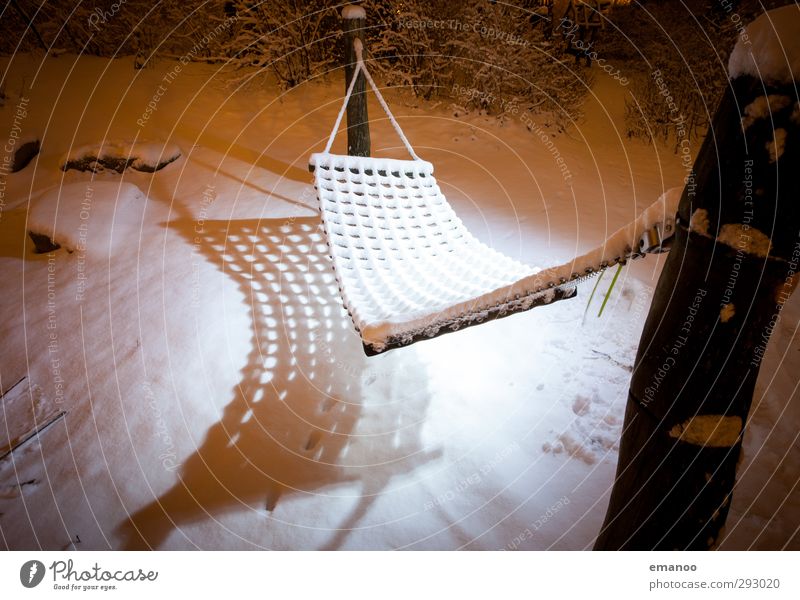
<point x="358" y="142"/>
<point x="732" y="267"/>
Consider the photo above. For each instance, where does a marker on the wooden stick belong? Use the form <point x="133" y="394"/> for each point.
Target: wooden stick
<point x="358" y="141"/>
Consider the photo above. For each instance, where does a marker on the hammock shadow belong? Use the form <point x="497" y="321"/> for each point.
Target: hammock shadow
<point x="238" y="150"/>
<point x="245" y="180"/>
<point x="310" y="413"/>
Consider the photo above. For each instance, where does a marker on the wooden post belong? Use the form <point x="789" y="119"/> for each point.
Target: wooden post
<point x="353" y="20"/>
<point x="732" y="267"/>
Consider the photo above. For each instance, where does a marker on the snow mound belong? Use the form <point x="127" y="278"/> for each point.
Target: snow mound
<point x="118" y="156"/>
<point x="770" y="51"/>
<point x="94" y="216"/>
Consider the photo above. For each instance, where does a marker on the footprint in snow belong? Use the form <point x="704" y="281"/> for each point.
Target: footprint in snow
<point x="581" y="405"/>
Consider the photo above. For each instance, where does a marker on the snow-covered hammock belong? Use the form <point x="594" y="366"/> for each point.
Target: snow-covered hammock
<point x="406" y="266"/>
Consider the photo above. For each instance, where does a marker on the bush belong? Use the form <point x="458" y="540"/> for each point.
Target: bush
<point x="293" y="40"/>
<point x="679" y="54"/>
<point x="139" y="28"/>
<point x="487" y="56"/>
<point x="490" y="56"/>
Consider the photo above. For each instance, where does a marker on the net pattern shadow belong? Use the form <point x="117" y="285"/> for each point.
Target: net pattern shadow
<point x="311" y="418"/>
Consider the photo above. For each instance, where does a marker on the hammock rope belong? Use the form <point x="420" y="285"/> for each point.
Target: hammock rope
<point x="362" y="68"/>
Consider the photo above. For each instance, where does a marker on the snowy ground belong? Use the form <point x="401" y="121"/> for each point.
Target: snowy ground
<point x="214" y="393"/>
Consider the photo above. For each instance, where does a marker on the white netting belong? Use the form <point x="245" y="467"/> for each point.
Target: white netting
<point x="406" y="264"/>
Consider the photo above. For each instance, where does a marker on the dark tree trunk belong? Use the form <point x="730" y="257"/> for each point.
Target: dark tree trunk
<point x="357" y="120"/>
<point x="730" y="271"/>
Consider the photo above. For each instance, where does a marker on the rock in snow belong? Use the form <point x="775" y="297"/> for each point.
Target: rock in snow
<point x="119" y="155"/>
